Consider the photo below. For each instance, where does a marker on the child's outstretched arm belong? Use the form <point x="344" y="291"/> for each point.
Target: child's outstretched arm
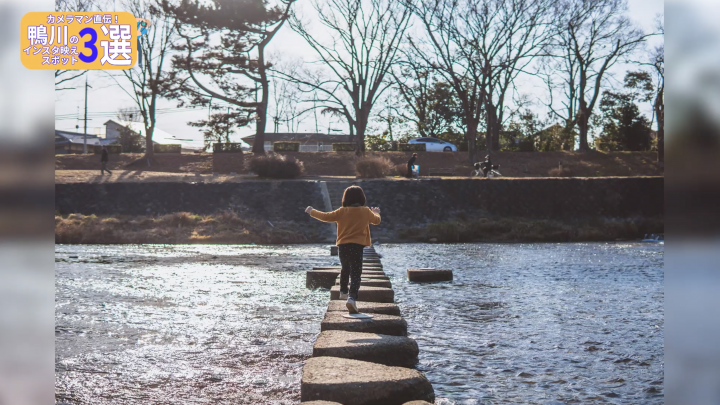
<point x="375" y="216"/>
<point x="322" y="216"/>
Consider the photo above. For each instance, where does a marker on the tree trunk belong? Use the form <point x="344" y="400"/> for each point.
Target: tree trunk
<point x="471" y="136"/>
<point x="149" y="149"/>
<point x="360" y="140"/>
<point x="493" y="129"/>
<point x="583" y="125"/>
<point x="259" y="143"/>
<point x="660" y="114"/>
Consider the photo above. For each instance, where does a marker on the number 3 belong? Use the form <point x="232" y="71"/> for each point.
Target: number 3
<point x="89" y="45"/>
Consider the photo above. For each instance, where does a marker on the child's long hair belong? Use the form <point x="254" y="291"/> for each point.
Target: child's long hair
<point x="353" y="195"/>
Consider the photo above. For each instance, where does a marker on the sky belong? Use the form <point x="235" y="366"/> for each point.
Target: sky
<point x="105" y="97"/>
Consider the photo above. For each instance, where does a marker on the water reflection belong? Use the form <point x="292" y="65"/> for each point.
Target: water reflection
<point x="531" y="324"/>
<point x="184" y="324"/>
<point x="536" y="323"/>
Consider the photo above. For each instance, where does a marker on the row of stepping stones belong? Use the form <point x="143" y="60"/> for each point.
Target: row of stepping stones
<point x="363" y="361"/>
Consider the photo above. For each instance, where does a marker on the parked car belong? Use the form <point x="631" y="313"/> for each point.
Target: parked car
<point x="435" y="145"/>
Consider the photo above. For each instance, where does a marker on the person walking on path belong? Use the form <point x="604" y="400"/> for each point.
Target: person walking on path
<point x="353" y="234"/>
<point x="104" y="162"/>
<point x="410" y="164"/>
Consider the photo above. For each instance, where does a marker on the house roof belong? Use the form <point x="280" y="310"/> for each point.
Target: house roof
<point x="299" y="137"/>
<point x="77" y="138"/>
<point x="159" y="136"/>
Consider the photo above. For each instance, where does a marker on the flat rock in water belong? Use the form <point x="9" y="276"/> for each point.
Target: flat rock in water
<point x="368" y="294"/>
<point x="321" y="278"/>
<point x="367" y="277"/>
<point x="365" y="307"/>
<point x="371" y="283"/>
<point x="429" y="275"/>
<point x="354" y="382"/>
<point x="320" y="403"/>
<point x="414" y="403"/>
<point x="389" y="350"/>
<point x="380" y="323"/>
<point x="366" y="272"/>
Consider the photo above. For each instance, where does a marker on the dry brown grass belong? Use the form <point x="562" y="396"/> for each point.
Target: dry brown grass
<point x="180" y="227"/>
<point x="374" y="167"/>
<point x="533" y="230"/>
<point x="558" y="172"/>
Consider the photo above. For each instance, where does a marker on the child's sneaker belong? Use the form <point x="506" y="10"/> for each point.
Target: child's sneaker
<point x="344" y="296"/>
<point x="351" y="305"/>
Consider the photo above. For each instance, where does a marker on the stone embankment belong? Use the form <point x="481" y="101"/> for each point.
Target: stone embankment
<point x="359" y="361"/>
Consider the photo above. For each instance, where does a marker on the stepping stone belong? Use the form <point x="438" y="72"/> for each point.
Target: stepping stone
<point x="354" y="382"/>
<point x="411" y="403"/>
<point x="371" y="283"/>
<point x="389" y="350"/>
<point x="321" y="278"/>
<point x="367" y="277"/>
<point x="368" y="294"/>
<point x="365" y="307"/>
<point x="340" y="267"/>
<point x="372" y="273"/>
<point x="320" y="403"/>
<point x="427" y="275"/>
<point x="333" y="250"/>
<point x="371" y="260"/>
<point x="379" y="323"/>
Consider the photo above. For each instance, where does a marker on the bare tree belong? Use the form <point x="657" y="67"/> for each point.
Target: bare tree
<point x="224" y="44"/>
<point x="480" y="47"/>
<point x="357" y="54"/>
<point x="427" y="102"/>
<point x="149" y="82"/>
<point x="286" y="97"/>
<point x="591" y="37"/>
<point x="65" y="76"/>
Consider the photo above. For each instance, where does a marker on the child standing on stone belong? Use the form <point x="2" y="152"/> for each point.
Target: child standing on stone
<point x="353" y="234"/>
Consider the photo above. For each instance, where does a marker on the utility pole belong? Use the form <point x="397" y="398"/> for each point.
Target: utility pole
<point x="85" y="119"/>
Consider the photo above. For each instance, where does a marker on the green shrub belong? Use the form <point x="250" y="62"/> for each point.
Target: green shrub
<point x="286" y="146"/>
<point x="275" y="166"/>
<point x="411" y="147"/>
<point x="373" y="167"/>
<point x="227" y="148"/>
<point x="343" y="147"/>
<point x="171" y="148"/>
<point x="112" y="149"/>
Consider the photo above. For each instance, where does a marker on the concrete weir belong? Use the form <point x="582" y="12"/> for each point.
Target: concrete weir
<point x="368" y="383"/>
<point x="380" y="323"/>
<point x="366" y="307"/>
<point x="321" y="278"/>
<point x="376" y="349"/>
<point x="429" y="275"/>
<point x="373" y="347"/>
<point x="370" y="294"/>
<point x="365" y="282"/>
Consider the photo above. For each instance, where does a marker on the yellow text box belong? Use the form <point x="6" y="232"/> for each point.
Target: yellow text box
<point x="78" y="41"/>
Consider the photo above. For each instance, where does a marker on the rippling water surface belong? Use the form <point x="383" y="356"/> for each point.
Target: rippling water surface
<point x="184" y="324"/>
<point x="536" y="323"/>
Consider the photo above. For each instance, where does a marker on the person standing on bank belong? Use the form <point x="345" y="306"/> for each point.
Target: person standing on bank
<point x="104" y="161"/>
<point x="410" y="164"/>
<point x="353" y="234"/>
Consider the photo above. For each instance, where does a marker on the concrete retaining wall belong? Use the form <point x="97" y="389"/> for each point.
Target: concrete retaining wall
<point x="402" y="202"/>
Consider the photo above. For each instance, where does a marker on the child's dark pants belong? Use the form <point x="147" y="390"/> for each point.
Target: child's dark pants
<point x="351" y="257"/>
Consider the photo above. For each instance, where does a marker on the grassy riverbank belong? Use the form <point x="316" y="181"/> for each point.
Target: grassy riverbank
<point x="533" y="230"/>
<point x="178" y="228"/>
<point x="229" y="228"/>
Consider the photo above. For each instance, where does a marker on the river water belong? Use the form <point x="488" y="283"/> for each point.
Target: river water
<point x="520" y="323"/>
